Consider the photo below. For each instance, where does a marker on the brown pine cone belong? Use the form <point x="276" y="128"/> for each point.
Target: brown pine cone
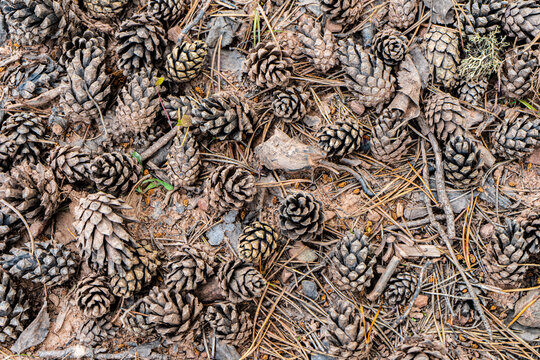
<point x="32" y="190"/>
<point x="115" y="173"/>
<point x="88" y="85"/>
<point x="46" y="263"/>
<point x="183" y="161"/>
<point x="507" y="255"/>
<point x="173" y="315"/>
<point x="240" y="281"/>
<point x="70" y="164"/>
<point x="229" y="188"/>
<point x="185" y="61"/>
<point x="390" y="46"/>
<point x="301" y="217"/>
<point x="87" y="40"/>
<point x="141" y="43"/>
<point x="288" y="40"/>
<point x="473" y="92"/>
<point x="517" y="73"/>
<point x="444" y="115"/>
<point x="352" y="262"/>
<point x="137" y="322"/>
<point x="229" y="325"/>
<point x="342" y="12"/>
<point x="441" y="48"/>
<point x="138" y="105"/>
<point x="96" y="331"/>
<point x="225" y="115"/>
<point x="15" y="309"/>
<point x="531" y="228"/>
<point x="517" y="136"/>
<point x="420" y="347"/>
<point x="268" y="66"/>
<point x="345" y="332"/>
<point x="166" y="10"/>
<point x="187" y="268"/>
<point x="402" y="13"/>
<point x="94" y="296"/>
<point x="462" y="162"/>
<point x="289" y="104"/>
<point x="365" y="74"/>
<point x="342" y="138"/>
<point x="177" y="107"/>
<point x="483" y="16"/>
<point x="521" y="20"/>
<point x="10" y="224"/>
<point x="390" y="137"/>
<point x="19" y="140"/>
<point x="104" y="9"/>
<point x="317" y="44"/>
<point x="400" y="288"/>
<point x="258" y="242"/>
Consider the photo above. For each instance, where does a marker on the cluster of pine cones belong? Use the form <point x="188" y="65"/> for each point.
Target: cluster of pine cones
<point x="121" y="79"/>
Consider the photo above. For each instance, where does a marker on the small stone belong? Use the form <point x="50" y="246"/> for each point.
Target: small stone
<point x="312" y="121"/>
<point x="230" y="217"/>
<point x="310" y="289"/>
<point x="216" y="235"/>
<point x="374" y="216"/>
<point x="531" y="316"/>
<point x="358" y="108"/>
<point x="285" y="276"/>
<point x="322" y="357"/>
<point x="487" y="230"/>
<point x="421" y="301"/>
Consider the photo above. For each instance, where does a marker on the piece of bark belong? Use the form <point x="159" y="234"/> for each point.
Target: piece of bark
<point x="406" y="251"/>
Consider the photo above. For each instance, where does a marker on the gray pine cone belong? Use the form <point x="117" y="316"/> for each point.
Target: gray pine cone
<point x="187" y="268"/>
<point x="115" y="173"/>
<point x="342" y="12"/>
<point x="444" y="116"/>
<point x="441" y="48"/>
<point x="19" y="140"/>
<point x="462" y="162"/>
<point x="240" y="281"/>
<point x="95" y="331"/>
<point x="473" y="92"/>
<point x="14" y="310"/>
<point x="229" y="324"/>
<point x="229" y="188"/>
<point x="517" y="73"/>
<point x="301" y="217"/>
<point x="521" y="20"/>
<point x="517" y="136"/>
<point x="317" y="44"/>
<point x="70" y="164"/>
<point x="390" y="137"/>
<point x="183" y="161"/>
<point x="104" y="9"/>
<point x="483" y="16"/>
<point x="402" y="13"/>
<point x="268" y="66"/>
<point x="94" y="296"/>
<point x="400" y="288"/>
<point x="289" y="104"/>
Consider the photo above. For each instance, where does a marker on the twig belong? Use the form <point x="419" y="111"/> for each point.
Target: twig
<point x="24" y="222"/>
<point x="356" y="175"/>
<point x="414" y="223"/>
<point x="82" y="352"/>
<point x="415" y="295"/>
<point x="43" y="99"/>
<point x="381" y="284"/>
<point x="164" y="140"/>
<point x="195" y="21"/>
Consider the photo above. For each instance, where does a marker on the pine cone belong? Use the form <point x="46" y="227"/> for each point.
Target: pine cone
<point x="442" y="53"/>
<point x="19" y="140"/>
<point x="517" y="136"/>
<point x="229" y="325"/>
<point x="507" y="254"/>
<point x="402" y="13"/>
<point x="288" y="41"/>
<point x="342" y="12"/>
<point x="420" y="347"/>
<point x="225" y="115"/>
<point x="50" y="264"/>
<point x="352" y="262"/>
<point x="14" y="310"/>
<point x="317" y="44"/>
<point x="10" y="224"/>
<point x="473" y="92"/>
<point x="104" y="9"/>
<point x="32" y="77"/>
<point x="166" y="10"/>
<point x="86" y="41"/>
<point x="115" y="173"/>
<point x="102" y="234"/>
<point x="240" y="281"/>
<point x="531" y="228"/>
<point x="400" y="288"/>
<point x="517" y="74"/>
<point x="230" y="188"/>
<point x="144" y="264"/>
<point x="185" y="61"/>
<point x="96" y="331"/>
<point x="268" y="66"/>
<point x="35" y="22"/>
<point x="301" y="216"/>
<point x="521" y="20"/>
<point x="444" y="115"/>
<point x="464" y="305"/>
<point x="462" y="162"/>
<point x="142" y="42"/>
<point x="138" y="104"/>
<point x="345" y="332"/>
<point x="342" y="138"/>
<point x="137" y="318"/>
<point x="483" y="16"/>
<point x="258" y="242"/>
<point x="87" y="84"/>
<point x="390" y="137"/>
<point x="390" y="46"/>
<point x="290" y="104"/>
<point x="177" y="107"/>
<point x="187" y="268"/>
<point x="94" y="296"/>
<point x="183" y="161"/>
<point x="365" y="74"/>
<point x="172" y="314"/>
<point x="32" y="190"/>
<point x="70" y="164"/>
